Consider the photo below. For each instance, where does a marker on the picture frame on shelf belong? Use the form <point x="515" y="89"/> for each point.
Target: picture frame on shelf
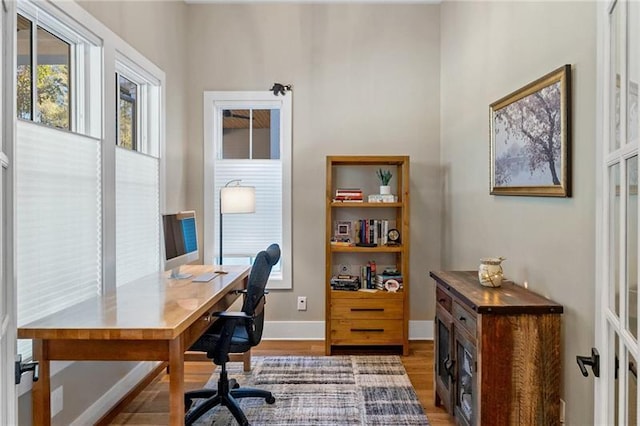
<point x="530" y="138"/>
<point x="343" y="231"/>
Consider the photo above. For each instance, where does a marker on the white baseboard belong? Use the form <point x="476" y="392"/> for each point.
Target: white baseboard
<point x="314" y="330"/>
<point x="99" y="408"/>
<point x="293" y="330"/>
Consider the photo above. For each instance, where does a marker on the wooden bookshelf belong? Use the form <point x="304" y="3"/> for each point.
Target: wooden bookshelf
<point x="366" y="318"/>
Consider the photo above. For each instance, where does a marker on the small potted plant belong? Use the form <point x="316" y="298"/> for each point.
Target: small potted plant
<point x="384" y="176"/>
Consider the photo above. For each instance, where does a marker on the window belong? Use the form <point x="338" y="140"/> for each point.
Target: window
<point x="58" y="248"/>
<point x="52" y="59"/>
<point x="250" y="142"/>
<point x="57" y="75"/>
<point x="137" y="172"/>
<point x="127" y="113"/>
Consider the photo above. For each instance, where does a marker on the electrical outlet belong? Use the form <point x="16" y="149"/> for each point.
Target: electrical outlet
<point x="302" y="303"/>
<point x="56" y="400"/>
<point x="562" y="409"/>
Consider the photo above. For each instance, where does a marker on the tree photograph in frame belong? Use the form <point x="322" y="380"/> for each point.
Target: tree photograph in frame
<point x="531" y="138"/>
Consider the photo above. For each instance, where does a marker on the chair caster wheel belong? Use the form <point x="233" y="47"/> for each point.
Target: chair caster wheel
<point x="270" y="399"/>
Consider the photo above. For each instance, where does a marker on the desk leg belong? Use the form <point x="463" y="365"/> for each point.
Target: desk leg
<point x="41" y="390"/>
<point x="176" y="382"/>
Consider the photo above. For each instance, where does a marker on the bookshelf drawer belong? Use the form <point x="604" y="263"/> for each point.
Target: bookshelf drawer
<point x="355" y="309"/>
<point x="367" y="332"/>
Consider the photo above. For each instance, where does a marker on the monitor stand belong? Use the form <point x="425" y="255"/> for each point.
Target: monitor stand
<point x="176" y="275"/>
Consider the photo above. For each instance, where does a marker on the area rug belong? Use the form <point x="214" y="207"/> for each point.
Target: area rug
<point x="324" y="391"/>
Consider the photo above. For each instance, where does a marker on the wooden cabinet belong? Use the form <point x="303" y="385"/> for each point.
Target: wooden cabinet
<point x="497" y="352"/>
<point x="366" y="318"/>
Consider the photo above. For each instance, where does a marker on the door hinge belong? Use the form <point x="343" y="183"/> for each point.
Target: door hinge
<point x="23" y="367"/>
<point x="593" y="361"/>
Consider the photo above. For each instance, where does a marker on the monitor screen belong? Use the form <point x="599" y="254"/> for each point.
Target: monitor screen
<point x="180" y="240"/>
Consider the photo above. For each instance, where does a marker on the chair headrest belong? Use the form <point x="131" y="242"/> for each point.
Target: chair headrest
<point x="273" y="254"/>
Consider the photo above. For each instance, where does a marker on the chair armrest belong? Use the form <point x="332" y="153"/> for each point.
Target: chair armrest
<point x="231" y="314"/>
<point x="244" y="291"/>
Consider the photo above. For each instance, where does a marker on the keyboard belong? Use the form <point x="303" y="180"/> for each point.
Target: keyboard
<point x="207" y="276"/>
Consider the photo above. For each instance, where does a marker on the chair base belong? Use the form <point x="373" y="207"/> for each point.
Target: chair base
<point x="227" y="394"/>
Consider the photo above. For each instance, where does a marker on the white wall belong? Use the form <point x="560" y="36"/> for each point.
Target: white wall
<point x="490" y="49"/>
<point x="365" y="81"/>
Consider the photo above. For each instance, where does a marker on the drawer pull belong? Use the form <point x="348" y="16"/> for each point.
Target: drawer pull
<point x="367" y="309"/>
<point x="442" y="300"/>
<point x="376" y="330"/>
<point x="463" y="319"/>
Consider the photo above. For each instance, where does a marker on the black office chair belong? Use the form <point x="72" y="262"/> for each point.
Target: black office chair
<point x="235" y="332"/>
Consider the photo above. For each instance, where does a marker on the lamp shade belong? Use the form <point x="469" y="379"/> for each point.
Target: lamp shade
<point x="237" y="199"/>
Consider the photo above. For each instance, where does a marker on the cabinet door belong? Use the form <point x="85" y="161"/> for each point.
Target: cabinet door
<point x="444" y="359"/>
<point x="465" y="395"/>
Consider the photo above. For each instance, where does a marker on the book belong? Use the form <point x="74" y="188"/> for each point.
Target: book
<point x="348" y="199"/>
<point x="382" y="198"/>
<point x="342" y="244"/>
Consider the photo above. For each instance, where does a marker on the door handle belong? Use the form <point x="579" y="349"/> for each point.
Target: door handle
<point x="448" y="366"/>
<point x="593" y="361"/>
<point x="23" y="367"/>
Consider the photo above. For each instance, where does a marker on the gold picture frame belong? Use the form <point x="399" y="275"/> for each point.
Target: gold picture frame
<point x="530" y="138"/>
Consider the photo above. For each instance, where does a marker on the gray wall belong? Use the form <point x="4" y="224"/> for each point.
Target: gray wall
<point x="365" y="81"/>
<point x="490" y="49"/>
<point x="144" y="26"/>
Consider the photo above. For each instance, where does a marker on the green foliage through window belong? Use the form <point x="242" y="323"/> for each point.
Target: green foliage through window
<point x="127" y="116"/>
<point x="52" y="66"/>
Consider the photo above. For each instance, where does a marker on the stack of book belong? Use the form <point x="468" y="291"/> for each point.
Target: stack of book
<point x="352" y="195"/>
<point x="345" y="282"/>
<point x="387" y="275"/>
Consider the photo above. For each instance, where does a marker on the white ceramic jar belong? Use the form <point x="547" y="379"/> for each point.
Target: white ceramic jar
<point x="490" y="271"/>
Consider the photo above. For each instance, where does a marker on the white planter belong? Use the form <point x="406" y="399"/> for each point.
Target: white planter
<point x="385" y="189"/>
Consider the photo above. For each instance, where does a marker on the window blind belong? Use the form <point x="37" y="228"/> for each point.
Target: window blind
<point x="244" y="235"/>
<point x="137" y="215"/>
<point x="58" y="221"/>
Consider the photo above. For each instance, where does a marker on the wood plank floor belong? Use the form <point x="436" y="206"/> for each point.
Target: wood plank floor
<point x="150" y="407"/>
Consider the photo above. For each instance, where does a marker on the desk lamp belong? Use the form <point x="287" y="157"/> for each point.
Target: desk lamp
<point x="235" y="199"/>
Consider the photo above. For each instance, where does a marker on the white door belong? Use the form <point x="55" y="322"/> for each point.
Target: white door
<point x="8" y="405"/>
<point x="616" y="391"/>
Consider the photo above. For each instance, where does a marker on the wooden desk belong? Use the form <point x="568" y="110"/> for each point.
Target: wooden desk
<point x="154" y="318"/>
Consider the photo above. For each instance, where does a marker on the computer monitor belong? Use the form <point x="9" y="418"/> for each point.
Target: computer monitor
<point x="180" y="241"/>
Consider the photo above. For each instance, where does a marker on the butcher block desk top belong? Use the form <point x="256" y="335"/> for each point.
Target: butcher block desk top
<point x="152" y="318"/>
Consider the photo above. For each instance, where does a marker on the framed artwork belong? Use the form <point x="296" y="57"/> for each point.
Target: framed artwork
<point x="531" y="138"/>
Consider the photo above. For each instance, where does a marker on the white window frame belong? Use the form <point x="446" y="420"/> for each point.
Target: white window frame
<point x="147" y="120"/>
<point x="85" y="50"/>
<point x="214" y="103"/>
